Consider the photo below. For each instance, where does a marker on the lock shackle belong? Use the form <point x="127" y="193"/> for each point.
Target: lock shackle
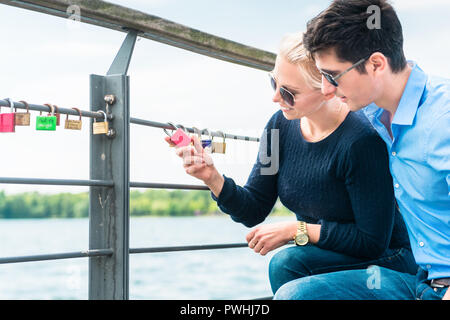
<point x="182" y="127"/>
<point x="56" y="109"/>
<point x="208" y="133"/>
<point x="198" y="132"/>
<point x="174" y="126"/>
<point x="26" y="105"/>
<point x="52" y="109"/>
<point x="11" y="104"/>
<point x="76" y="109"/>
<point x="100" y="111"/>
<point x="223" y="135"/>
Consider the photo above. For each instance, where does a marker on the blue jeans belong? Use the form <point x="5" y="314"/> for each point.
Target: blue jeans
<point x="374" y="283"/>
<point x="304" y="261"/>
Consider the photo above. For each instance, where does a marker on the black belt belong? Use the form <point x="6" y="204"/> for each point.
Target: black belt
<point x="440" y="283"/>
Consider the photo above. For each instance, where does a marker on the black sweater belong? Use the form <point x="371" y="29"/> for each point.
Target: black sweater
<point x="342" y="182"/>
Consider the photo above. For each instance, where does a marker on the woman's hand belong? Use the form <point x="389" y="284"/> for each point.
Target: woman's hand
<point x="199" y="164"/>
<point x="266" y="238"/>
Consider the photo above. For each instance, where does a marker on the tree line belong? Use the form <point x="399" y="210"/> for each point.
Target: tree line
<point x="147" y="203"/>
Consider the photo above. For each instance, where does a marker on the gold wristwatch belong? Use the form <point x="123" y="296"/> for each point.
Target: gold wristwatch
<point x="301" y="237"/>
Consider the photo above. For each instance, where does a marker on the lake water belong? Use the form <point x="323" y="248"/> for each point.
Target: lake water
<point x="207" y="274"/>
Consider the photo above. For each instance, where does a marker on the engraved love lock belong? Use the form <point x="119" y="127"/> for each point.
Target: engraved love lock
<point x="46" y="123"/>
<point x="100" y="127"/>
<point x="73" y="124"/>
<point x="7" y="122"/>
<point x="23" y="118"/>
<point x="219" y="147"/>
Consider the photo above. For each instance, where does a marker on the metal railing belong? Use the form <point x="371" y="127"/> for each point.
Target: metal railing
<point x="109" y="183"/>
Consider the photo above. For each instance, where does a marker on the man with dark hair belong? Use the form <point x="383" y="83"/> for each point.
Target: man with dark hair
<point x="358" y="48"/>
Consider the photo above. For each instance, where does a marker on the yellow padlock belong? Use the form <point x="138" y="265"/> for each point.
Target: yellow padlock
<point x="219" y="147"/>
<point x="100" y="127"/>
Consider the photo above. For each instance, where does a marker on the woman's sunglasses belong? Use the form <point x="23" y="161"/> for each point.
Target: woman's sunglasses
<point x="286" y="95"/>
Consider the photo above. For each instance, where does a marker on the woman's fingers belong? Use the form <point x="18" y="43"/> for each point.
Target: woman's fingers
<point x="197" y="145"/>
<point x="193" y="169"/>
<point x="170" y="142"/>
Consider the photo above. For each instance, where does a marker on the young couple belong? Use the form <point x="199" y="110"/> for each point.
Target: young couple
<point x="369" y="187"/>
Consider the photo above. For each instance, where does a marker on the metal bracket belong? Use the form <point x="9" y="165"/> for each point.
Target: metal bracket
<point x="122" y="60"/>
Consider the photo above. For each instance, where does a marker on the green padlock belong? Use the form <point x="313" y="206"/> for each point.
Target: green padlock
<point x="46" y="123"/>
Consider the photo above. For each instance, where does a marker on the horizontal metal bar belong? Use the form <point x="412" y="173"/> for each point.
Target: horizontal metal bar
<point x="58" y="182"/>
<point x="98" y="115"/>
<point x="38" y="107"/>
<point x="122" y="19"/>
<point x="155" y="185"/>
<point x="190" y="130"/>
<point x="188" y="248"/>
<point x="193" y="247"/>
<point x="57" y="256"/>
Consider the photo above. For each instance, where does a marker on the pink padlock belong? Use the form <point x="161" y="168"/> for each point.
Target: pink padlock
<point x="180" y="138"/>
<point x="7" y="120"/>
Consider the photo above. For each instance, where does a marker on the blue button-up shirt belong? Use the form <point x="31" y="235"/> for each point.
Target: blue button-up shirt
<point x="420" y="166"/>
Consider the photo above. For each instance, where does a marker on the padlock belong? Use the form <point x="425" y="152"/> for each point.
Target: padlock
<point x="7" y="122"/>
<point x="207" y="143"/>
<point x="46" y="123"/>
<point x="100" y="127"/>
<point x="22" y="118"/>
<point x="180" y="137"/>
<point x="219" y="147"/>
<point x="73" y="124"/>
<point x="56" y="114"/>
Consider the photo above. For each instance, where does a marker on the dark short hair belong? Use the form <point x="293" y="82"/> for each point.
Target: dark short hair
<point x="343" y="26"/>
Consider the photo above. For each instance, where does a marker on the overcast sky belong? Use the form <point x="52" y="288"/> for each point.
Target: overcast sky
<point x="45" y="59"/>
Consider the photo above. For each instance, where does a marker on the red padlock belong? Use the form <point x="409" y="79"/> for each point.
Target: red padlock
<point x="7" y="120"/>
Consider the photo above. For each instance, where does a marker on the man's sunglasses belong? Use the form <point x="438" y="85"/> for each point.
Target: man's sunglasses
<point x="333" y="79"/>
<point x="287" y="96"/>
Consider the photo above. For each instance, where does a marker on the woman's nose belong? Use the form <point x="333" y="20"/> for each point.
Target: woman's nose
<point x="276" y="96"/>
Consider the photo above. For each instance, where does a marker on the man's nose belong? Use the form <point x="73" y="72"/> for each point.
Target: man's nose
<point x="327" y="87"/>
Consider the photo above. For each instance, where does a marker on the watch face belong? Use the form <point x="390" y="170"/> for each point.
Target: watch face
<point x="301" y="239"/>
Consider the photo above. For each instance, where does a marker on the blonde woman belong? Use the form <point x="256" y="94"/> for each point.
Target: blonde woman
<point x="332" y="173"/>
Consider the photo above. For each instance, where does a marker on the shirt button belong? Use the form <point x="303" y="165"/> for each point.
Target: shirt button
<point x="397" y="185"/>
<point x="394" y="153"/>
<point x="421" y="243"/>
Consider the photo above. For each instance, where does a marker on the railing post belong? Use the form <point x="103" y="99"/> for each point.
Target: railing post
<point x="109" y="160"/>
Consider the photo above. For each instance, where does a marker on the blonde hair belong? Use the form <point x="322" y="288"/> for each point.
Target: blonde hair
<point x="291" y="48"/>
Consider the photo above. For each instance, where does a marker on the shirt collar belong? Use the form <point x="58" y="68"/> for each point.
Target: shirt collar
<point x="410" y="100"/>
